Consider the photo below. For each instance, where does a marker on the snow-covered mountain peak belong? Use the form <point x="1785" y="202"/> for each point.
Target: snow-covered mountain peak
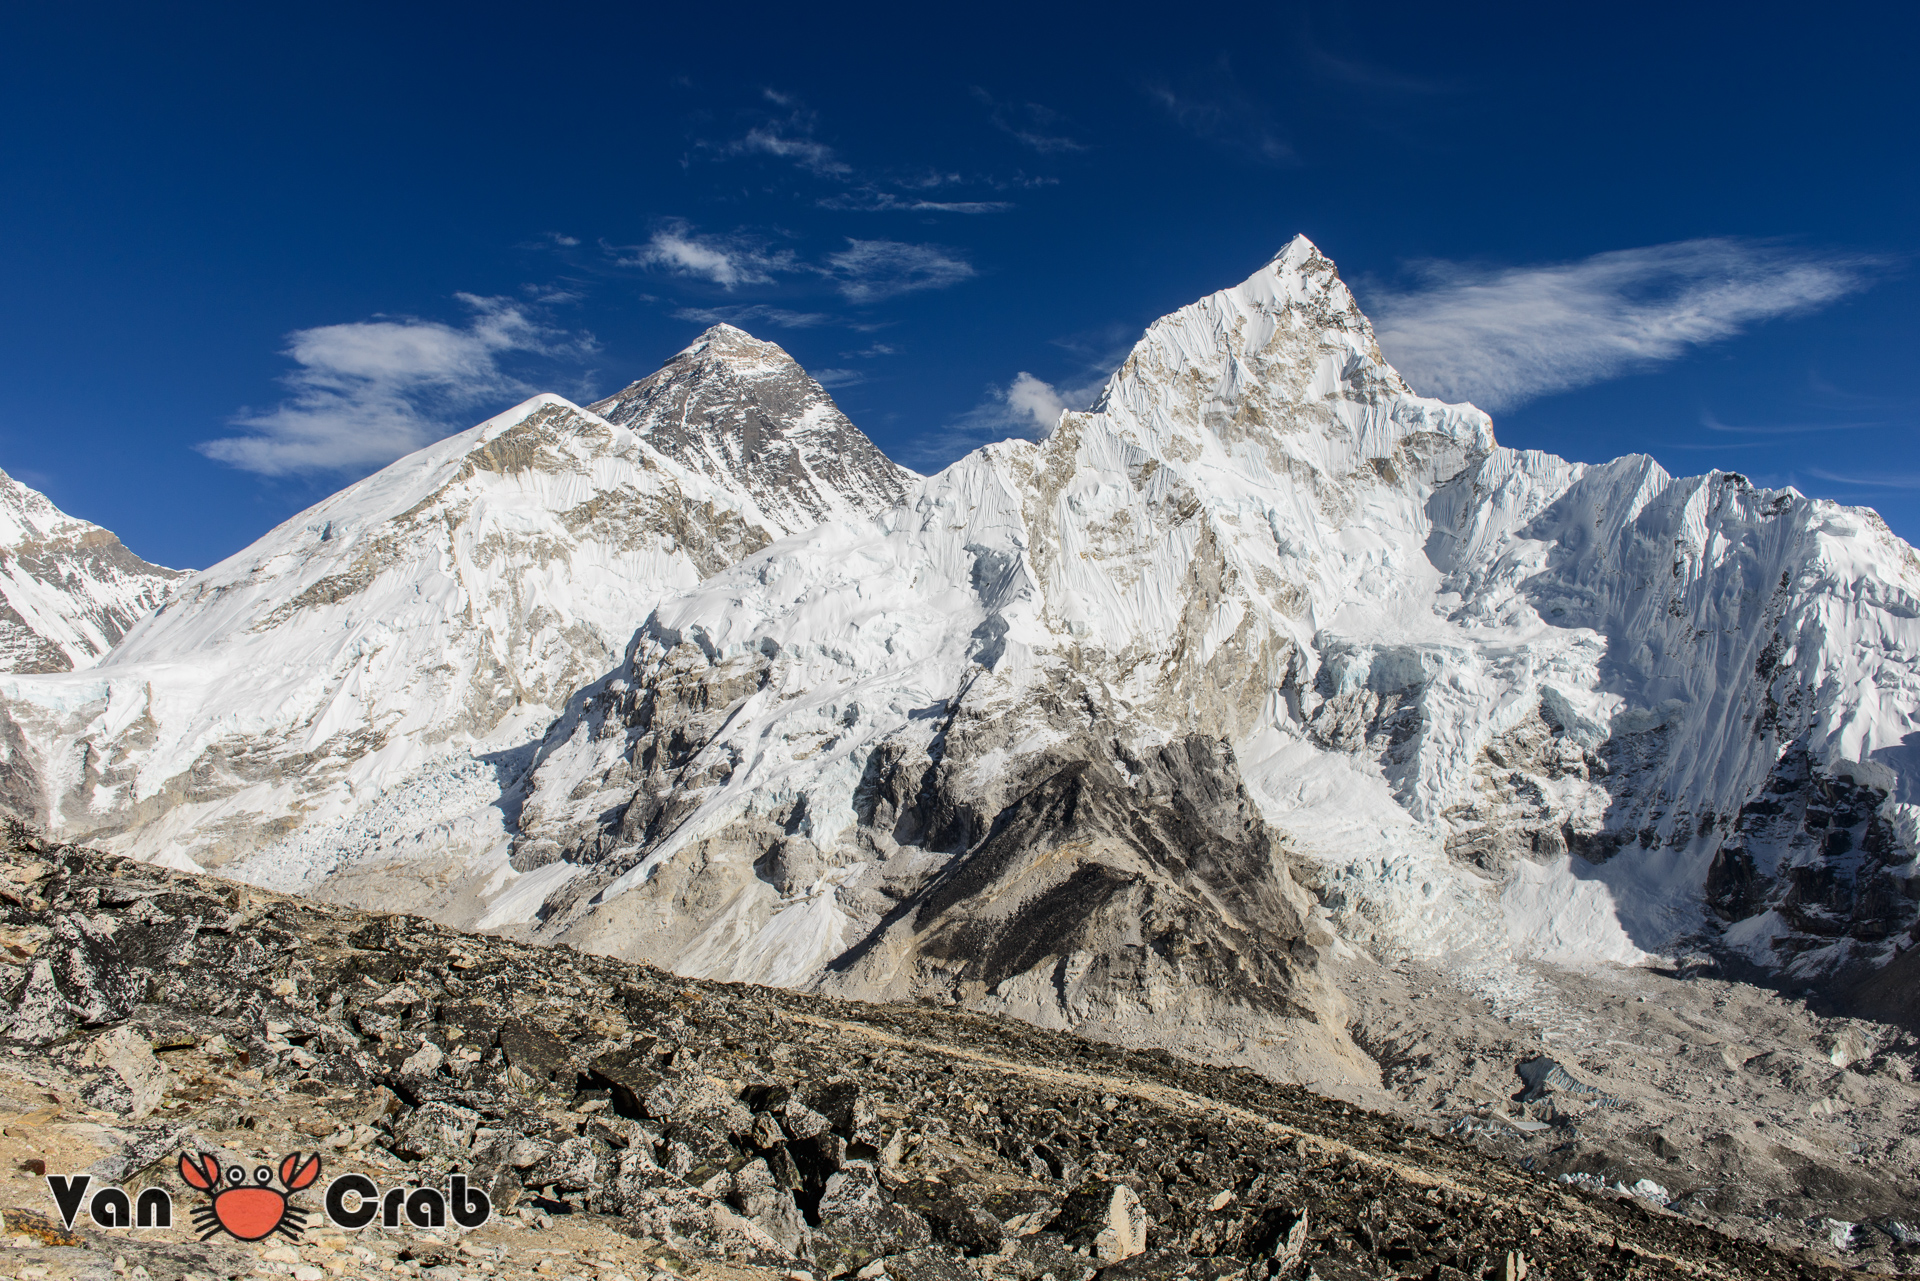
<point x="1281" y="374"/>
<point x="1498" y="702"/>
<point x="744" y="413"/>
<point x="382" y="647"/>
<point x="1094" y="729"/>
<point x="71" y="588"/>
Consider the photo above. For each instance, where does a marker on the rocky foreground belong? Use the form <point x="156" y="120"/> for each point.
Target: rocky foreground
<point x="631" y="1124"/>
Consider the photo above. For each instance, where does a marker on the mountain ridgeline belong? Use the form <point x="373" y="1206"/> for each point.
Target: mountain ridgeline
<point x="1263" y="668"/>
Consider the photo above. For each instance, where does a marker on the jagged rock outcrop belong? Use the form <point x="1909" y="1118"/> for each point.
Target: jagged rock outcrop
<point x="71" y="589"/>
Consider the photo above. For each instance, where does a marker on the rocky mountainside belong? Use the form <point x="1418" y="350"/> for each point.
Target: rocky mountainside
<point x="626" y="1122"/>
<point x="71" y="588"/>
<point x="744" y="414"/>
<point x="356" y="684"/>
<point x="1493" y="707"/>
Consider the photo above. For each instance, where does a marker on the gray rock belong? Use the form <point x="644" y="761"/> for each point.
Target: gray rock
<point x="435" y="1130"/>
<point x="1105" y="1217"/>
<point x="572" y="1166"/>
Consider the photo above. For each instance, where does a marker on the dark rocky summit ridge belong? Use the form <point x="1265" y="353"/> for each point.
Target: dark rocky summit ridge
<point x="744" y="413"/>
<point x="712" y="1129"/>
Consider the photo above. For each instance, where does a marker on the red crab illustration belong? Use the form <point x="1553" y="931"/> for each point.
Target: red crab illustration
<point x="249" y="1208"/>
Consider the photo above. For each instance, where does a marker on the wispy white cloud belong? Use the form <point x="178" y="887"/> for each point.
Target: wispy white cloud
<point x="1712" y="423"/>
<point x="875" y="200"/>
<point x="1039" y="127"/>
<point x="1027" y="408"/>
<point x="789" y="137"/>
<point x="757" y="313"/>
<point x="1888" y="480"/>
<point x="368" y="392"/>
<point x="865" y="271"/>
<point x="839" y="377"/>
<point x="1501" y="336"/>
<point x="727" y="261"/>
<point x="1034" y="403"/>
<point x="1221" y="112"/>
<point x="808" y="153"/>
<point x="872" y="270"/>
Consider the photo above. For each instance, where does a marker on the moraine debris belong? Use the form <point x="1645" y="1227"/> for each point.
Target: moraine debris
<point x="630" y="1124"/>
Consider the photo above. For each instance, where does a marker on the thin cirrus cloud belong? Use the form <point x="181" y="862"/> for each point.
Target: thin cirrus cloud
<point x="871" y="270"/>
<point x="756" y="314"/>
<point x="809" y="153"/>
<point x="1224" y="114"/>
<point x="1039" y="127"/>
<point x="874" y="200"/>
<point x="1889" y="480"/>
<point x="1503" y="336"/>
<point x="866" y="271"/>
<point x="727" y="261"/>
<point x="369" y="392"/>
<point x="790" y="137"/>
<point x="1712" y="423"/>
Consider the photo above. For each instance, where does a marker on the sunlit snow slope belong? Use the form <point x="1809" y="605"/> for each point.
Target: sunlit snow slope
<point x="353" y="685"/>
<point x="1498" y="703"/>
<point x="71" y="589"/>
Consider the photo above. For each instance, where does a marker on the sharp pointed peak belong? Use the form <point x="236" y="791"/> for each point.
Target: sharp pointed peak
<point x="724" y="339"/>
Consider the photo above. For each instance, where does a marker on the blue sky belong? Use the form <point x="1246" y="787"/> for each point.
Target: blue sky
<point x="251" y="253"/>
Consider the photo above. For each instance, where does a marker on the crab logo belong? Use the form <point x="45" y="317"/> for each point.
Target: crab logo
<point x="247" y="1205"/>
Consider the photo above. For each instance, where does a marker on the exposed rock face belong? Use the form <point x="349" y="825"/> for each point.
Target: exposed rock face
<point x="1756" y="646"/>
<point x="70" y="588"/>
<point x="637" y="1119"/>
<point x="1143" y="901"/>
<point x="742" y="413"/>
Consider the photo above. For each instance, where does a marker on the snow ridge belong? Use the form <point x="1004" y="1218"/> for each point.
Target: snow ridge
<point x="373" y="663"/>
<point x="1500" y="704"/>
<point x="71" y="588"/>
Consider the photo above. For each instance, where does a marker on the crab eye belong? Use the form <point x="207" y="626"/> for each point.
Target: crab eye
<point x="263" y="1175"/>
<point x="236" y="1176"/>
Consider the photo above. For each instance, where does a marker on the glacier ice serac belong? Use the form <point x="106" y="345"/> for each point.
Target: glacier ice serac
<point x="1263" y="658"/>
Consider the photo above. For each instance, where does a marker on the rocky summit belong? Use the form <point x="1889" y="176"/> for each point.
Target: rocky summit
<point x="627" y="1123"/>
